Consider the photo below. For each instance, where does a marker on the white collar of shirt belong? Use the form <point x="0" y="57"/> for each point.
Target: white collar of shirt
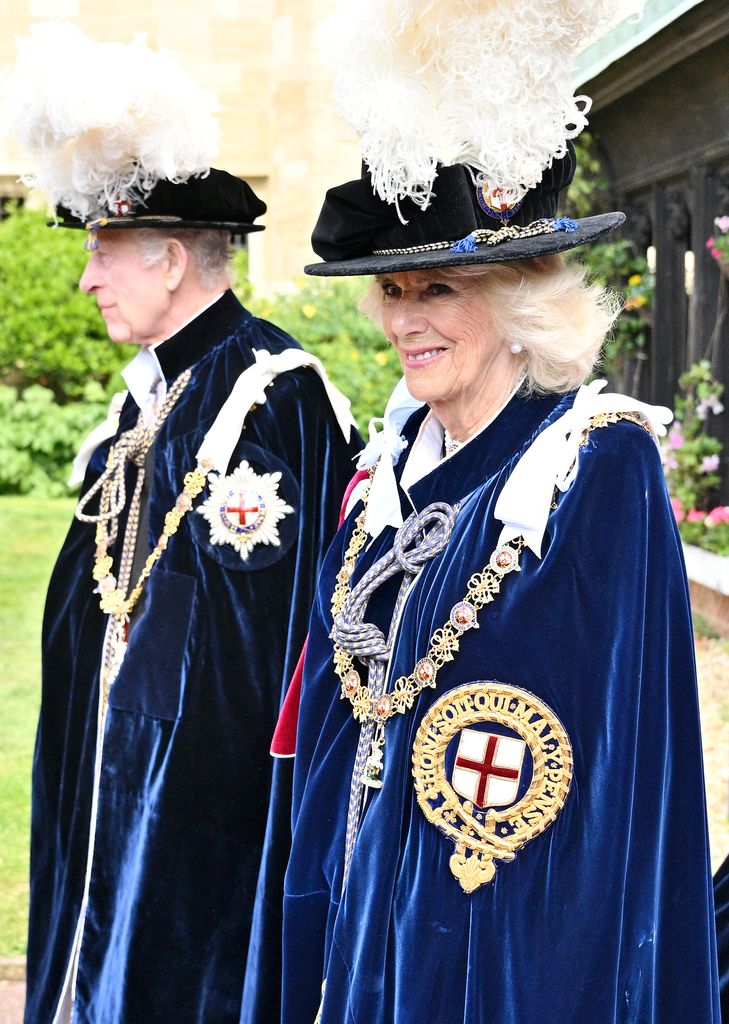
<point x="143" y="376"/>
<point x="427" y="449"/>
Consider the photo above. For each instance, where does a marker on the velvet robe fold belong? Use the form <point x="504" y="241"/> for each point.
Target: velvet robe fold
<point x="721" y="899"/>
<point x="185" y="778"/>
<point x="606" y="917"/>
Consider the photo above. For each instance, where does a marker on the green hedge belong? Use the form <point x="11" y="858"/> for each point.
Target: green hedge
<point x="39" y="437"/>
<point x="50" y="332"/>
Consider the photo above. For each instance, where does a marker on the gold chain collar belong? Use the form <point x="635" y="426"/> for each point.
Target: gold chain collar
<point x="482" y="587"/>
<point x="112" y="599"/>
<point x="112" y="593"/>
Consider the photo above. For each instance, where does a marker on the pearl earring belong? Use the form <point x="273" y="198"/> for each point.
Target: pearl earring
<point x="516" y="348"/>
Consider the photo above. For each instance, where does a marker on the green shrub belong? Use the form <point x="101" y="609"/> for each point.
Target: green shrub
<point x="39" y="438"/>
<point x="50" y="333"/>
<point x="589" y="190"/>
<point x="613" y="262"/>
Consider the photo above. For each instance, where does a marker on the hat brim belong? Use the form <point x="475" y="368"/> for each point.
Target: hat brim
<point x="587" y="230"/>
<point x="234" y="227"/>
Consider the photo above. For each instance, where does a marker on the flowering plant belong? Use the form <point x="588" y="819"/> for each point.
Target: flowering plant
<point x="616" y="266"/>
<point x="691" y="457"/>
<point x="708" y="530"/>
<point x="718" y="243"/>
<point x="639" y="292"/>
<point x="691" y="461"/>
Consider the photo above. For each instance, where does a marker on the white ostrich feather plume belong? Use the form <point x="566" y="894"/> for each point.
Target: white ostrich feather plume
<point x="104" y="121"/>
<point x="482" y="82"/>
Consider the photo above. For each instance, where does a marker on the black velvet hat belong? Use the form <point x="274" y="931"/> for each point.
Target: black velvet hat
<point x="213" y="200"/>
<point x="464" y="223"/>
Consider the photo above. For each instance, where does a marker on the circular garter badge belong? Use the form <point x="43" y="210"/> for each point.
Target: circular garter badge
<point x="244" y="508"/>
<point x="501" y="204"/>
<point x="492" y="766"/>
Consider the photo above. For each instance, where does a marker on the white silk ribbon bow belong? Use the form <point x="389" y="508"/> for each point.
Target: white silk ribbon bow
<point x="384" y="448"/>
<point x="249" y="390"/>
<point x="553" y="461"/>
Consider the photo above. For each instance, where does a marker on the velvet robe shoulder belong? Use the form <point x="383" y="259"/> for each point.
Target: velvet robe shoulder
<point x="606" y="916"/>
<point x="185" y="779"/>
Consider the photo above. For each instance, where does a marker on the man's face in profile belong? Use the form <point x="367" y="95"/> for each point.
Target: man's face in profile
<point x="131" y="293"/>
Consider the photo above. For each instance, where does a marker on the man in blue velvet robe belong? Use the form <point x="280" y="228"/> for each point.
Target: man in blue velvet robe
<point x="151" y="900"/>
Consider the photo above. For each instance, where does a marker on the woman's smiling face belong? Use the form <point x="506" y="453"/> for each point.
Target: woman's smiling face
<point x="451" y="354"/>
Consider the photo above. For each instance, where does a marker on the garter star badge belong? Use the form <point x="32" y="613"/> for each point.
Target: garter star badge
<point x="244" y="508"/>
<point x="492" y="766"/>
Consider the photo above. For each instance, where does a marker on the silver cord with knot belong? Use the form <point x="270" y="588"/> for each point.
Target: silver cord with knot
<point x="130" y="447"/>
<point x="421" y="537"/>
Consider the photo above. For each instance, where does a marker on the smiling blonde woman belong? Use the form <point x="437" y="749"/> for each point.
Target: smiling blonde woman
<point x="498" y="796"/>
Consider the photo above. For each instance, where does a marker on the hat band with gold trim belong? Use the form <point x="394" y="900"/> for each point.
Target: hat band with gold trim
<point x="485" y="236"/>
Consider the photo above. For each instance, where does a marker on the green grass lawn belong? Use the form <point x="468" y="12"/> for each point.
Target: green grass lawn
<point x="31" y="532"/>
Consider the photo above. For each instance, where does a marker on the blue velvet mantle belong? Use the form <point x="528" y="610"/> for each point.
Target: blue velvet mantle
<point x="183" y="918"/>
<point x="607" y="916"/>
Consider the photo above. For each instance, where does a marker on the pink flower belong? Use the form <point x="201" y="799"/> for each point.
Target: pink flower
<point x="716" y="253"/>
<point x="722" y="223"/>
<point x="709" y="464"/>
<point x="695" y="515"/>
<point x="676" y="438"/>
<point x="670" y="462"/>
<point x="718" y="515"/>
<point x="710" y="242"/>
<point x="677" y="509"/>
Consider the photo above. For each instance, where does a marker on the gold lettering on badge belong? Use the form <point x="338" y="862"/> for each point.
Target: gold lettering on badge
<point x="483" y="836"/>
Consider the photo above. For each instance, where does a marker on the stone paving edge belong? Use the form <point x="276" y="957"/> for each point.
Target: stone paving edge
<point x="12" y="968"/>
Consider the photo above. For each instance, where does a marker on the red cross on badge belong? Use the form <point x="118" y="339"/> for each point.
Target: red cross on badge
<point x="488" y="768"/>
<point x="243" y="509"/>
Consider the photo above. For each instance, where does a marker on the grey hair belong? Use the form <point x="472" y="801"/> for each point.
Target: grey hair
<point x="210" y="250"/>
<point x="545" y="305"/>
